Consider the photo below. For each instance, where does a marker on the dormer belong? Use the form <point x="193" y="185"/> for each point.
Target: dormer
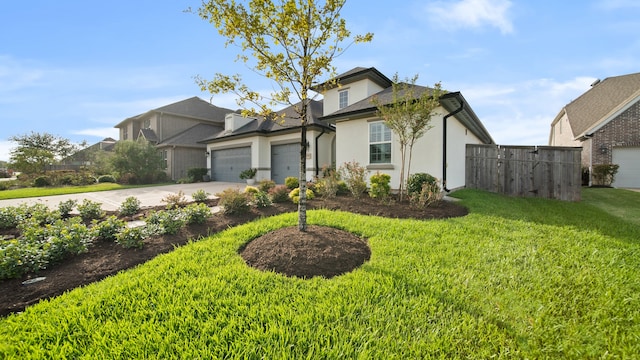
<point x="348" y="88"/>
<point x="234" y="121"/>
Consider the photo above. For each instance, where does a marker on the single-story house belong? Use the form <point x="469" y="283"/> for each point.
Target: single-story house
<point x="605" y="121"/>
<point x="363" y="137"/>
<point x="176" y="130"/>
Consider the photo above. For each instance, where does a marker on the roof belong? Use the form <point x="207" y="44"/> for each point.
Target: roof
<point x="192" y="136"/>
<point x="149" y="135"/>
<point x="598" y="104"/>
<point x="353" y="75"/>
<point x="193" y="107"/>
<point x="289" y="122"/>
<point x="450" y="101"/>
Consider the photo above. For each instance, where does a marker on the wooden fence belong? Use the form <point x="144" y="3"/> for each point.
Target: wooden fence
<point x="529" y="171"/>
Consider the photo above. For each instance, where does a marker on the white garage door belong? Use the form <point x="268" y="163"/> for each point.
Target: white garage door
<point x="227" y="164"/>
<point x="285" y="162"/>
<point x="629" y="172"/>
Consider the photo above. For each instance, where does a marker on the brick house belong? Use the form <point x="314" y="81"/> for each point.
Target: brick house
<point x="605" y="121"/>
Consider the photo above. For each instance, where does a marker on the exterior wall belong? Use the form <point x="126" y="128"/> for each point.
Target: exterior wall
<point x="170" y="125"/>
<point x="352" y="144"/>
<point x="357" y="91"/>
<point x="561" y="133"/>
<point x="623" y="131"/>
<point x="181" y="159"/>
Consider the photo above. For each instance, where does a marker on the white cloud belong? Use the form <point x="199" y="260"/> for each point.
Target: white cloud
<point x="617" y="4"/>
<point x="471" y="14"/>
<point x="5" y="149"/>
<point x="521" y="113"/>
<point x="98" y="132"/>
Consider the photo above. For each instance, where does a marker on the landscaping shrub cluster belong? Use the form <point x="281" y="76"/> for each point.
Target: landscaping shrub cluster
<point x="48" y="236"/>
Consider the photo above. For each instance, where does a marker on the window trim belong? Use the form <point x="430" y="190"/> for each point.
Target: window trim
<point x="382" y="141"/>
<point x="346" y="102"/>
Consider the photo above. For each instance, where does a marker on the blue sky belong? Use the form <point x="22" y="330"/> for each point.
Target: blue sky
<point x="77" y="68"/>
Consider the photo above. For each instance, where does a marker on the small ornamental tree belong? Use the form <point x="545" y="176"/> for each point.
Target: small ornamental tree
<point x="35" y="151"/>
<point x="139" y="158"/>
<point x="293" y="43"/>
<point x="408" y="115"/>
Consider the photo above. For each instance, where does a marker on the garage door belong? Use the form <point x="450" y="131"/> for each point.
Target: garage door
<point x="629" y="172"/>
<point x="285" y="161"/>
<point x="227" y="164"/>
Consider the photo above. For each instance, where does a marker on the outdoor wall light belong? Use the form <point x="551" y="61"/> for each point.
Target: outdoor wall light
<point x="603" y="149"/>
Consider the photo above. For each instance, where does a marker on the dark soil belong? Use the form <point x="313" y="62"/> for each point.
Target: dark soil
<point x="321" y="251"/>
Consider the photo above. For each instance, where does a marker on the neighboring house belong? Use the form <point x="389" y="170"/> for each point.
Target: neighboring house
<point x="363" y="137"/>
<point x="84" y="157"/>
<point x="176" y="130"/>
<point x="605" y="121"/>
<point x="270" y="146"/>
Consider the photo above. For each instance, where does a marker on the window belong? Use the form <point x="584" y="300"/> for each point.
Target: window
<point x="147" y="123"/>
<point x="379" y="143"/>
<point x="164" y="157"/>
<point x="343" y="98"/>
<point x="125" y="134"/>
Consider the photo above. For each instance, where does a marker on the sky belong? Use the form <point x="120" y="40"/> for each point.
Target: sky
<point x="75" y="69"/>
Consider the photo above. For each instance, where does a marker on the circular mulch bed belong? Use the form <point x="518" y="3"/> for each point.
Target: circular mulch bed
<point x="319" y="251"/>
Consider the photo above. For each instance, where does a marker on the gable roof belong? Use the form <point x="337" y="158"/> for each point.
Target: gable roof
<point x="353" y="75"/>
<point x="193" y="107"/>
<point x="451" y="101"/>
<point x="289" y="122"/>
<point x="599" y="104"/>
<point x="149" y="135"/>
<point x="192" y="137"/>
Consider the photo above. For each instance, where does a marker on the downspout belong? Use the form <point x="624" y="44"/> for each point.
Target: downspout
<point x="317" y="157"/>
<point x="444" y="145"/>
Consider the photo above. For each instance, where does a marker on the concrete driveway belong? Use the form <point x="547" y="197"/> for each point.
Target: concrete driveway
<point x="111" y="200"/>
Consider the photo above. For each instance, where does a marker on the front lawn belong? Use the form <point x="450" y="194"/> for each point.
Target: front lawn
<point x="517" y="278"/>
<point x="62" y="190"/>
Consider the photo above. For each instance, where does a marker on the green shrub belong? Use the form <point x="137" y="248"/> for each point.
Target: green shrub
<point x="196" y="213"/>
<point x="42" y="215"/>
<point x="417" y="180"/>
<point x="354" y="177"/>
<point x="605" y="174"/>
<point x="328" y="185"/>
<point x="266" y="184"/>
<point x="176" y="200"/>
<point x="291" y="182"/>
<point x="380" y="188"/>
<point x="197" y="174"/>
<point x="294" y="195"/>
<point x="279" y="193"/>
<point x="108" y="228"/>
<point x="129" y="207"/>
<point x="200" y="195"/>
<point x="42" y="181"/>
<point x="132" y="237"/>
<point x="428" y="195"/>
<point x="90" y="210"/>
<point x="261" y="199"/>
<point x="65" y="207"/>
<point x="106" y="179"/>
<point x="232" y="201"/>
<point x="251" y="190"/>
<point x="170" y="221"/>
<point x="248" y="174"/>
<point x="11" y="216"/>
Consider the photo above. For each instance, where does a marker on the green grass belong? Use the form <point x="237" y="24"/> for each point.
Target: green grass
<point x="517" y="278"/>
<point x="48" y="191"/>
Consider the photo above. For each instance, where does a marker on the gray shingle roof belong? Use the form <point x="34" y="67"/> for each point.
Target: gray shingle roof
<point x="193" y="136"/>
<point x="149" y="135"/>
<point x="593" y="107"/>
<point x="193" y="107"/>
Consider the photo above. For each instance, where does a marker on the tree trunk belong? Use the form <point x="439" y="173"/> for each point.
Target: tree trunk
<point x="302" y="179"/>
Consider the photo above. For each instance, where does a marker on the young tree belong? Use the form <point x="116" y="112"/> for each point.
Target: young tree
<point x="291" y="42"/>
<point x="408" y="114"/>
<point x="139" y="158"/>
<point x="35" y="151"/>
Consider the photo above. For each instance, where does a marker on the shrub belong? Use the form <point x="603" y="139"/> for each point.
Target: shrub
<point x="251" y="190"/>
<point x="106" y="179"/>
<point x="354" y="176"/>
<point x="65" y="207"/>
<point x="108" y="228"/>
<point x="11" y="216"/>
<point x="233" y="201"/>
<point x="380" y="188"/>
<point x="328" y="185"/>
<point x="129" y="207"/>
<point x="196" y="213"/>
<point x="261" y="199"/>
<point x="291" y="182"/>
<point x="176" y="200"/>
<point x="248" y="174"/>
<point x="294" y="195"/>
<point x="42" y="215"/>
<point x="200" y="195"/>
<point x="266" y="184"/>
<point x="171" y="221"/>
<point x="197" y="174"/>
<point x="42" y="181"/>
<point x="131" y="237"/>
<point x="604" y="174"/>
<point x="90" y="210"/>
<point x="416" y="182"/>
<point x="428" y="195"/>
<point x="279" y="194"/>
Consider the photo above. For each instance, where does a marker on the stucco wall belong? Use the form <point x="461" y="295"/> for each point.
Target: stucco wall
<point x="357" y="91"/>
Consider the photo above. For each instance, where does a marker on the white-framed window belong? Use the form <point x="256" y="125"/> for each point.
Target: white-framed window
<point x="343" y="98"/>
<point x="125" y="134"/>
<point x="379" y="143"/>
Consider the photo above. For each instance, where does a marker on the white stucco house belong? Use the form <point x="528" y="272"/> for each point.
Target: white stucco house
<point x="363" y="137"/>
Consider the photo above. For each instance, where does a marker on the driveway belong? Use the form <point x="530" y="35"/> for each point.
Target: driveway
<point x="112" y="199"/>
